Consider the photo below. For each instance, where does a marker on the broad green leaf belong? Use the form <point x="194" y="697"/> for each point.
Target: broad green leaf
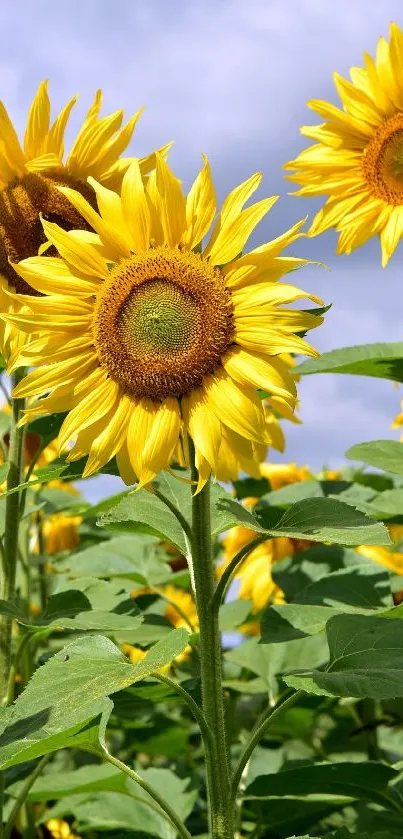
<point x="293" y="574"/>
<point x="251" y="487"/>
<point x="233" y="614"/>
<point x="383" y="454"/>
<point x="133" y="556"/>
<point x="63" y="695"/>
<point x="384" y="361"/>
<point x="143" y="512"/>
<point x="90" y="604"/>
<point x="324" y="520"/>
<point x="89" y="778"/>
<point x="358" y="780"/>
<point x="268" y="662"/>
<point x="366" y="659"/>
<point x="360" y="588"/>
<point x="287" y="495"/>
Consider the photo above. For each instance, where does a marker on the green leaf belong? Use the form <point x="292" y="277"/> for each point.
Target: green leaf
<point x="384" y="361"/>
<point x="368" y="781"/>
<point x="366" y="659"/>
<point x="251" y="488"/>
<point x="233" y="614"/>
<point x="63" y="695"/>
<point x="325" y="520"/>
<point x="143" y="512"/>
<point x="269" y="662"/>
<point x="90" y="778"/>
<point x="133" y="556"/>
<point x="89" y="604"/>
<point x="383" y="454"/>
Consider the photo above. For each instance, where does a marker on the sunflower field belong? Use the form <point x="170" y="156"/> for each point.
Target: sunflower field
<point x="216" y="650"/>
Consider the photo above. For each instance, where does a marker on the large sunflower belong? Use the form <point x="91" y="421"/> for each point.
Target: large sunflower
<point x="30" y="176"/>
<point x="146" y="337"/>
<point x="358" y="157"/>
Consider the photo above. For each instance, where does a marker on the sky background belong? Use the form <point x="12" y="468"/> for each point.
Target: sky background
<point x="231" y="78"/>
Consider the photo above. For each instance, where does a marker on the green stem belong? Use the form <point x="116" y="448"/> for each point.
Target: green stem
<point x="217" y="763"/>
<point x="165" y="807"/>
<point x="266" y="720"/>
<point x="23" y="795"/>
<point x="367" y="711"/>
<point x="226" y="578"/>
<point x="42" y="565"/>
<point x="196" y="711"/>
<point x="12" y="520"/>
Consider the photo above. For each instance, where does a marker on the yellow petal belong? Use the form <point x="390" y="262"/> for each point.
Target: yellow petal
<point x="170" y="202"/>
<point x="46" y="378"/>
<point x="153" y="435"/>
<point x="115" y="244"/>
<point x="203" y="425"/>
<point x="110" y="208"/>
<point x="200" y="207"/>
<point x="11" y="148"/>
<point x="259" y="371"/>
<point x="55" y="140"/>
<point x="271" y="341"/>
<point x="50" y="275"/>
<point x="110" y="151"/>
<point x="106" y="444"/>
<point x="91" y="139"/>
<point x="37" y="129"/>
<point x="266" y="296"/>
<point x="234" y="235"/>
<point x="135" y="207"/>
<point x="84" y="258"/>
<point x="252" y="267"/>
<point x="90" y="409"/>
<point x="391" y="234"/>
<point x="126" y="470"/>
<point x="239" y="408"/>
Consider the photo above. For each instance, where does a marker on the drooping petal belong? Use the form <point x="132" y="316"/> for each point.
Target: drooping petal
<point x="153" y="436"/>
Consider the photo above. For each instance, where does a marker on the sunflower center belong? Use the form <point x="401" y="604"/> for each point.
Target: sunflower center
<point x="383" y="161"/>
<point x="162" y="322"/>
<point x="21" y="231"/>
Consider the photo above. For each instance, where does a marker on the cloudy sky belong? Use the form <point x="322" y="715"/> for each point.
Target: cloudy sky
<point x="231" y="78"/>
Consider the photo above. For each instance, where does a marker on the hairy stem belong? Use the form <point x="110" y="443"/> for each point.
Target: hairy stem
<point x="166" y="808"/>
<point x="266" y="720"/>
<point x="217" y="764"/>
<point x="12" y="520"/>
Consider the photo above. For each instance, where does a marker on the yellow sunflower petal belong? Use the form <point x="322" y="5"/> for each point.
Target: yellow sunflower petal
<point x="91" y="408"/>
<point x="135" y="208"/>
<point x="38" y="123"/>
<point x="239" y="408"/>
<point x="257" y="370"/>
<point x="234" y="235"/>
<point x="55" y="139"/>
<point x="52" y="275"/>
<point x="200" y="207"/>
<point x="203" y="426"/>
<point x="111" y="438"/>
<point x="171" y="202"/>
<point x="112" y="235"/>
<point x="84" y="258"/>
<point x="153" y="436"/>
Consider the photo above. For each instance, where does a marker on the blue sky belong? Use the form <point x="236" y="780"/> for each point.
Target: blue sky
<point x="231" y="78"/>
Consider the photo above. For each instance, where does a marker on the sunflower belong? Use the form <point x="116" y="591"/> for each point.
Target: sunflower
<point x="358" y="156"/>
<point x="146" y="337"/>
<point x="30" y="176"/>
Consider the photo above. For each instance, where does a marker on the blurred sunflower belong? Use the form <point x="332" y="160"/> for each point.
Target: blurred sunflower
<point x="143" y="338"/>
<point x="31" y="173"/>
<point x="358" y="156"/>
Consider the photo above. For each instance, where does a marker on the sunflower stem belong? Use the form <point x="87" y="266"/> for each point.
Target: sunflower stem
<point x="217" y="763"/>
<point x="12" y="521"/>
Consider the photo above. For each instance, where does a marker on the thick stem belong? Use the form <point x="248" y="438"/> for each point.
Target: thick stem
<point x="12" y="519"/>
<point x="217" y="764"/>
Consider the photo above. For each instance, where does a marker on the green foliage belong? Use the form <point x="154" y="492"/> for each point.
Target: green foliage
<point x="384" y="361"/>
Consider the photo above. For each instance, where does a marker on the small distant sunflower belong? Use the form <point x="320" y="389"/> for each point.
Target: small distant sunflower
<point x="146" y="337"/>
<point x="358" y="157"/>
<point x="31" y="174"/>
